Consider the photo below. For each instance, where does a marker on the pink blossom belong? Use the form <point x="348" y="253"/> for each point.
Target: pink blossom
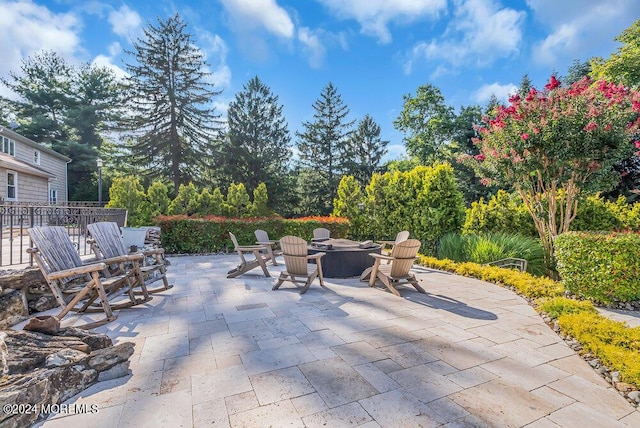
<point x="637" y="143"/>
<point x="553" y="83"/>
<point x="514" y="99"/>
<point x="524" y="136"/>
<point x="608" y="127"/>
<point x="480" y="157"/>
<point x="485" y="181"/>
<point x="536" y="130"/>
<point x="591" y="126"/>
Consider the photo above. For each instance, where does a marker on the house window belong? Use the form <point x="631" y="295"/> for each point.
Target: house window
<point x="53" y="196"/>
<point x="12" y="185"/>
<point x="8" y="146"/>
<point x="36" y="157"/>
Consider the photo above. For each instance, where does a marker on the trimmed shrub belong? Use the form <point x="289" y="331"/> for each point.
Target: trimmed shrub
<point x="188" y="235"/>
<point x="603" y="268"/>
<point x="425" y="201"/>
<point x="503" y="212"/>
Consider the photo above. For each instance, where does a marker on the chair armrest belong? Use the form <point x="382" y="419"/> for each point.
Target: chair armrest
<point x="250" y="247"/>
<point x="266" y="242"/>
<point x="386" y="242"/>
<point x="153" y="251"/>
<point x="381" y="256"/>
<point x="315" y="256"/>
<point x="122" y="259"/>
<point x="95" y="267"/>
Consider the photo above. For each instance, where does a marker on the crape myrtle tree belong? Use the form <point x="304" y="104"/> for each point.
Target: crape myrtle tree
<point x="257" y="147"/>
<point x="170" y="122"/>
<point x="68" y="109"/>
<point x="555" y="143"/>
<point x="323" y="148"/>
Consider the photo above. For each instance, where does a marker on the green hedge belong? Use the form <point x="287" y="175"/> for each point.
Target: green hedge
<point x="189" y="235"/>
<point x="603" y="268"/>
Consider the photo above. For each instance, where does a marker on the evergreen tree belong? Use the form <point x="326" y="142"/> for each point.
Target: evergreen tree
<point x="68" y="109"/>
<point x="324" y="150"/>
<point x="257" y="147"/>
<point x="525" y="86"/>
<point x="577" y="70"/>
<point x="366" y="150"/>
<point x="171" y="125"/>
<point x="45" y="88"/>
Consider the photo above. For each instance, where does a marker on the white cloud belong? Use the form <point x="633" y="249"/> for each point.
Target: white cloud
<point x="502" y="92"/>
<point x="124" y="21"/>
<point x="28" y="28"/>
<point x="313" y="47"/>
<point x="215" y="51"/>
<point x="479" y="33"/>
<point x="374" y="16"/>
<point x="592" y="25"/>
<point x="248" y="15"/>
<point x="107" y="61"/>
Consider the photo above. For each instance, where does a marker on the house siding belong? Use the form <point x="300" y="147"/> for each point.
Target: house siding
<point x="33" y="188"/>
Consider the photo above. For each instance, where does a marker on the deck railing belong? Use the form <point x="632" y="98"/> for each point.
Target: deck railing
<point x="16" y="218"/>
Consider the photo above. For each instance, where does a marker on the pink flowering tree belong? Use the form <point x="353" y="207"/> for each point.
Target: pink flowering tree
<point x="555" y="143"/>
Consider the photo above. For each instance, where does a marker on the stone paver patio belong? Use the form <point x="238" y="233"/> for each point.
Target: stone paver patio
<point x="214" y="352"/>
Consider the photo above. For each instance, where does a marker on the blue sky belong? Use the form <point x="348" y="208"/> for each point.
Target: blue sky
<point x="374" y="51"/>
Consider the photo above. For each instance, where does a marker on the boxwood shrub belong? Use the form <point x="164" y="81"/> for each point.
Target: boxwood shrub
<point x="603" y="268"/>
<point x="198" y="235"/>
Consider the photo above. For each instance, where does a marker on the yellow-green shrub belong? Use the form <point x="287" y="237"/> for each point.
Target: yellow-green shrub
<point x="526" y="284"/>
<point x="561" y="305"/>
<point x="615" y="344"/>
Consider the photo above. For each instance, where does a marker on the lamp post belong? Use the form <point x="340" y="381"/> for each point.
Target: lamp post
<point x="99" y="164"/>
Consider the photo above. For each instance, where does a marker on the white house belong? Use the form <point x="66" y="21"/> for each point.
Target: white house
<point x="30" y="172"/>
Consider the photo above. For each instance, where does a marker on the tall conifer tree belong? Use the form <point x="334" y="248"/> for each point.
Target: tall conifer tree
<point x="257" y="147"/>
<point x="172" y="126"/>
<point x="366" y="150"/>
<point x="324" y="151"/>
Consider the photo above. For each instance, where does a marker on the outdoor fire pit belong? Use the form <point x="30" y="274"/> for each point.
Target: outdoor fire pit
<point x="344" y="258"/>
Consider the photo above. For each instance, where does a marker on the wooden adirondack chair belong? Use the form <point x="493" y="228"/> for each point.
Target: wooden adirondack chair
<point x="321" y="233"/>
<point x="296" y="260"/>
<point x="262" y="238"/>
<point x="246" y="265"/>
<point x="399" y="270"/>
<point x="65" y="273"/>
<point x="400" y="237"/>
<point x="107" y="243"/>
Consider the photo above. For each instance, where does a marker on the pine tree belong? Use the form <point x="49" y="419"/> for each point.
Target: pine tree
<point x="257" y="147"/>
<point x="525" y="86"/>
<point x="324" y="150"/>
<point x="366" y="150"/>
<point x="68" y="109"/>
<point x="171" y="126"/>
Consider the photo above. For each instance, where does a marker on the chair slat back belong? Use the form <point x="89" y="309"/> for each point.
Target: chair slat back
<point x="261" y="235"/>
<point x="401" y="236"/>
<point x="56" y="249"/>
<point x="404" y="254"/>
<point x="321" y="233"/>
<point x="294" y="250"/>
<point x="108" y="238"/>
<point x="236" y="245"/>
